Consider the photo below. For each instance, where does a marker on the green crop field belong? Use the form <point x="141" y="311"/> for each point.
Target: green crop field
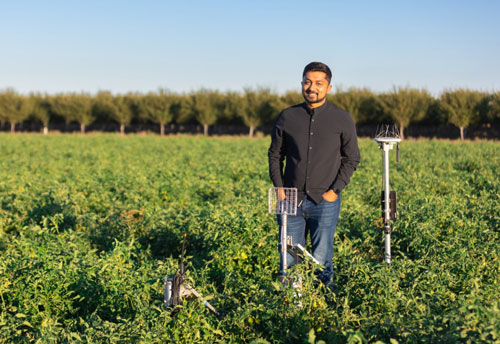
<point x="90" y="225"/>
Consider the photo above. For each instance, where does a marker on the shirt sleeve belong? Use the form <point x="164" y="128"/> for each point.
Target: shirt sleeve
<point x="276" y="153"/>
<point x="350" y="156"/>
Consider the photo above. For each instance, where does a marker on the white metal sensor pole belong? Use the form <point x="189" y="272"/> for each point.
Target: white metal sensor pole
<point x="386" y="144"/>
<point x="283" y="202"/>
<point x="387" y="211"/>
<point x="284" y="243"/>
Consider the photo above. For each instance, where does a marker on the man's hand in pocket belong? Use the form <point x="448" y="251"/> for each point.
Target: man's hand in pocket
<point x="330" y="196"/>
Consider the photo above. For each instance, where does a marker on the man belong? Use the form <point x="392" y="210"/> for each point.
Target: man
<point x="318" y="143"/>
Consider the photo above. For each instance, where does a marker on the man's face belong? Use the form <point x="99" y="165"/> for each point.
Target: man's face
<point x="315" y="87"/>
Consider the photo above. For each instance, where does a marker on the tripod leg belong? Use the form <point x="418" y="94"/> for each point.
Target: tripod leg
<point x="192" y="291"/>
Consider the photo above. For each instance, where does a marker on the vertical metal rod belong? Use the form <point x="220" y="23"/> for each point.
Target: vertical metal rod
<point x="387" y="210"/>
<point x="386" y="183"/>
<point x="282" y="205"/>
<point x="167" y="295"/>
<point x="283" y="235"/>
<point x="284" y="244"/>
<point x="388" y="247"/>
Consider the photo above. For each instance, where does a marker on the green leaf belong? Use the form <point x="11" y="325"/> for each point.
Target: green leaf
<point x="312" y="336"/>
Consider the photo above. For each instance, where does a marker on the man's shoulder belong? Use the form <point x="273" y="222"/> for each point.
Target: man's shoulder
<point x="291" y="114"/>
<point x="293" y="109"/>
<point x="334" y="108"/>
<point x="340" y="114"/>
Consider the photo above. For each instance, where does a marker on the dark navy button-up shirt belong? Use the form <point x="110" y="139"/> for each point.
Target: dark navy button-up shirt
<point x="318" y="148"/>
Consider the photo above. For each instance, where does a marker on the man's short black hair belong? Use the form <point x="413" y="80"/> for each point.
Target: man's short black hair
<point x="318" y="67"/>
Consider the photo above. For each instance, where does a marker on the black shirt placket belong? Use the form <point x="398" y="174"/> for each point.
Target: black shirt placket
<point x="309" y="151"/>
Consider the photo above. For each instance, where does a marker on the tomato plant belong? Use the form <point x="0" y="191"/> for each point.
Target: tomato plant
<point x="90" y="225"/>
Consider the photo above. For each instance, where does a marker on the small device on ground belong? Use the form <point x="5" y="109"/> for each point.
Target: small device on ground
<point x="175" y="288"/>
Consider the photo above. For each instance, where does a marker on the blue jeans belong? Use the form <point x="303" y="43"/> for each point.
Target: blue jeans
<point x="320" y="221"/>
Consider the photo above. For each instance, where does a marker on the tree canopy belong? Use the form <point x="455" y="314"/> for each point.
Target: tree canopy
<point x="462" y="107"/>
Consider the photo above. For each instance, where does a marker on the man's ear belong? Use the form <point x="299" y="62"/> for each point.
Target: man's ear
<point x="329" y="88"/>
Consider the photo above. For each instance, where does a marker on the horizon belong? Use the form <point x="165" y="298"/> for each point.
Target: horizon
<point x="242" y="91"/>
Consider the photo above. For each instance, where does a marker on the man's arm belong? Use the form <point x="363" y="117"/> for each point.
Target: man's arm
<point x="276" y="154"/>
<point x="350" y="156"/>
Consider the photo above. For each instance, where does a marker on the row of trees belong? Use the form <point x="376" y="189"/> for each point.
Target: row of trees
<point x="253" y="107"/>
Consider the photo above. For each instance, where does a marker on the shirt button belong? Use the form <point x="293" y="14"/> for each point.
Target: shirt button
<point x="310" y="148"/>
<point x="312" y="133"/>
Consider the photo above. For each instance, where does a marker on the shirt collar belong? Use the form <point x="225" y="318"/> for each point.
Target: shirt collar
<point x="315" y="110"/>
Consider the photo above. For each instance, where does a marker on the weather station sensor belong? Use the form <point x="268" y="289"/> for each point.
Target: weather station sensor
<point x="387" y="136"/>
<point x="283" y="202"/>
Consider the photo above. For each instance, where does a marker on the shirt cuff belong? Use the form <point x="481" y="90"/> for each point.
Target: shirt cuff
<point x="337" y="187"/>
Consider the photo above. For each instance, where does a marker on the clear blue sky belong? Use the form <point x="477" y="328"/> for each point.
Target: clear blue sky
<point x="63" y="46"/>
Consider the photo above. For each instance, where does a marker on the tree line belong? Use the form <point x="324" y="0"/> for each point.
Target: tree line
<point x="252" y="107"/>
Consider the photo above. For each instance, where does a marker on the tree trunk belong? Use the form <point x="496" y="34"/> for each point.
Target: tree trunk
<point x="402" y="131"/>
<point x="461" y="133"/>
<point x="250" y="132"/>
<point x="162" y="129"/>
<point x="122" y="129"/>
<point x="46" y="130"/>
<point x="12" y="127"/>
<point x="82" y="128"/>
<point x="205" y="129"/>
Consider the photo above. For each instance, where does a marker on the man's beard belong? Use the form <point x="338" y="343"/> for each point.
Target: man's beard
<point x="319" y="100"/>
